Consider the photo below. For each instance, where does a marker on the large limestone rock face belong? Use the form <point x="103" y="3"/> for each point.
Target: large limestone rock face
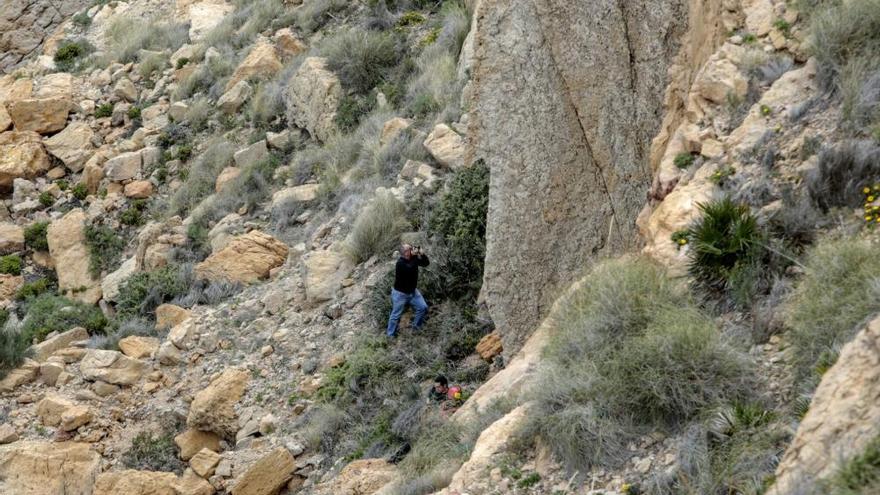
<point x="73" y="145"/>
<point x="21" y="157"/>
<point x="205" y="16"/>
<point x="213" y="408"/>
<point x="132" y="482"/>
<point x="361" y="477"/>
<point x="42" y="115"/>
<point x="112" y="367"/>
<point x="246" y="259"/>
<point x="312" y="97"/>
<point x="843" y="417"/>
<point x="47" y="468"/>
<point x="323" y="273"/>
<point x="566" y="98"/>
<point x="267" y="475"/>
<point x="260" y="62"/>
<point x="66" y="237"/>
<point x="26" y="24"/>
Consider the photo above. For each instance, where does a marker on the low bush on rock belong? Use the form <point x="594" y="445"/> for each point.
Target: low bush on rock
<point x="377" y="229"/>
<point x="10" y="264"/>
<point x="48" y="313"/>
<point x="14" y="345"/>
<point x="105" y="246"/>
<point x="142" y="293"/>
<point x="153" y="452"/>
<point x="35" y="236"/>
<point x="361" y="58"/>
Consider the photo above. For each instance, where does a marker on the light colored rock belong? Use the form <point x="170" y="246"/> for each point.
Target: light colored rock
<point x="132" y="482"/>
<point x="182" y="334"/>
<point x="760" y="16"/>
<point x="719" y="80"/>
<point x="267" y="475"/>
<point x="73" y="145"/>
<point x="226" y="229"/>
<point x="40" y="115"/>
<point x="204" y="462"/>
<point x="392" y="129"/>
<point x="124" y="166"/>
<point x="490" y="346"/>
<point x="111" y="283"/>
<point x="213" y="408"/>
<point x="125" y="90"/>
<point x="261" y="62"/>
<point x="9" y="285"/>
<point x="193" y="441"/>
<point x="105" y="389"/>
<point x="235" y="97"/>
<point x="842" y="420"/>
<point x="279" y="140"/>
<point x="137" y="347"/>
<point x="246" y="259"/>
<point x="7" y="434"/>
<point x="112" y="367"/>
<point x="74" y="417"/>
<point x="21" y="156"/>
<point x="313" y="95"/>
<point x="421" y="174"/>
<point x="66" y="237"/>
<point x="287" y="43"/>
<point x="251" y="155"/>
<point x="205" y="16"/>
<point x="323" y="273"/>
<point x="177" y="111"/>
<point x="170" y="315"/>
<point x="169" y="354"/>
<point x="360" y="477"/>
<point x="5" y="119"/>
<point x="191" y="483"/>
<point x="26" y="373"/>
<point x="11" y="238"/>
<point x="296" y="194"/>
<point x="46" y="348"/>
<point x="139" y="189"/>
<point x="227" y="175"/>
<point x="50" y="371"/>
<point x="48" y="468"/>
<point x="446" y="146"/>
<point x="51" y="409"/>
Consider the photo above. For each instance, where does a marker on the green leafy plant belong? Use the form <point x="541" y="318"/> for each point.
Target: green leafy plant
<point x="14" y="346"/>
<point x="181" y="62"/>
<point x="10" y="264"/>
<point x="104" y="110"/>
<point x="46" y="199"/>
<point x="684" y="160"/>
<point x="410" y="18"/>
<point x="69" y="53"/>
<point x="142" y="293"/>
<point x="105" y="246"/>
<point x="152" y="452"/>
<point x="783" y="26"/>
<point x="722" y="174"/>
<point x="134" y="214"/>
<point x="723" y="237"/>
<point x="33" y="289"/>
<point x="47" y="313"/>
<point x="860" y="475"/>
<point x="680" y="238"/>
<point x="80" y="191"/>
<point x="35" y="236"/>
<point x="134" y="113"/>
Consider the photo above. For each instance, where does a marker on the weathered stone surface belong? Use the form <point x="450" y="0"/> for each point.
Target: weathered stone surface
<point x="139" y="189"/>
<point x="132" y="482"/>
<point x="46" y="348"/>
<point x="720" y="78"/>
<point x="170" y="315"/>
<point x="392" y="129"/>
<point x="204" y="462"/>
<point x="205" y="16"/>
<point x="9" y="285"/>
<point x="193" y="441"/>
<point x="191" y="483"/>
<point x="313" y="95"/>
<point x="50" y="371"/>
<point x="252" y="154"/>
<point x="40" y="115"/>
<point x="212" y="409"/>
<point x="7" y="434"/>
<point x="261" y="62"/>
<point x="361" y="477"/>
<point x="26" y="373"/>
<point x="112" y="282"/>
<point x="323" y="273"/>
<point x="295" y="194"/>
<point x="112" y="367"/>
<point x="490" y="346"/>
<point x="21" y="156"/>
<point x="235" y="97"/>
<point x="66" y="237"/>
<point x="25" y="26"/>
<point x="446" y="146"/>
<point x="267" y="475"/>
<point x="287" y="43"/>
<point x="11" y="238"/>
<point x="421" y="174"/>
<point x="51" y="408"/>
<point x="843" y="417"/>
<point x="48" y="468"/>
<point x="125" y="89"/>
<point x="245" y="259"/>
<point x="227" y="175"/>
<point x="73" y="145"/>
<point x="74" y="417"/>
<point x="124" y="166"/>
<point x="137" y="347"/>
<point x="566" y="98"/>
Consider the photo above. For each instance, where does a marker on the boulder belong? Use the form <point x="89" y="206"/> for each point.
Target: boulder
<point x="392" y="129"/>
<point x="137" y="347"/>
<point x="132" y="482"/>
<point x="720" y="78"/>
<point x="421" y="174"/>
<point x="490" y="346"/>
<point x="139" y="189"/>
<point x="323" y="273"/>
<point x="66" y="238"/>
<point x="235" y="97"/>
<point x="51" y="409"/>
<point x="360" y="477"/>
<point x="245" y="259"/>
<point x="21" y="156"/>
<point x="267" y="475"/>
<point x="7" y="434"/>
<point x="124" y="166"/>
<point x="313" y="95"/>
<point x="213" y="408"/>
<point x="169" y="354"/>
<point x="74" y="417"/>
<point x="842" y="420"/>
<point x="446" y="146"/>
<point x="170" y="315"/>
<point x="46" y="348"/>
<point x="193" y="441"/>
<point x="48" y="468"/>
<point x="251" y="155"/>
<point x="73" y="145"/>
<point x="112" y="367"/>
<point x="296" y="194"/>
<point x="226" y="176"/>
<point x="204" y="462"/>
<point x="177" y="111"/>
<point x="11" y="238"/>
<point x="191" y="483"/>
<point x="26" y="373"/>
<point x="260" y="63"/>
<point x="125" y="90"/>
<point x="760" y="17"/>
<point x="205" y="16"/>
<point x="40" y="115"/>
<point x="50" y="371"/>
<point x="112" y="282"/>
<point x="9" y="285"/>
<point x="287" y="43"/>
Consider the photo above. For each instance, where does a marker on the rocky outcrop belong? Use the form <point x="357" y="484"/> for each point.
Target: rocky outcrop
<point x="11" y="238"/>
<point x="132" y="482"/>
<point x="566" y="98"/>
<point x="112" y="367"/>
<point x="73" y="145"/>
<point x="312" y="97"/>
<point x="261" y="62"/>
<point x="267" y="475"/>
<point x="213" y="408"/>
<point x="361" y="477"/>
<point x="66" y="237"/>
<point x="41" y="115"/>
<point x="323" y="273"/>
<point x="26" y="24"/>
<point x="48" y="468"/>
<point x="246" y="259"/>
<point x="21" y="157"/>
<point x="843" y="418"/>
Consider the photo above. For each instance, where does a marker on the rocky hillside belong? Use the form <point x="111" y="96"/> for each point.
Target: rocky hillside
<point x="651" y="228"/>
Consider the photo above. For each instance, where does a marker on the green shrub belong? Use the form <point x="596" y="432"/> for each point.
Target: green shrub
<point x="82" y="20"/>
<point x="377" y="229"/>
<point x="35" y="236"/>
<point x="104" y="110"/>
<point x="46" y="199"/>
<point x="181" y="63"/>
<point x="840" y="290"/>
<point x="134" y="214"/>
<point x="351" y="109"/>
<point x="134" y="113"/>
<point x="684" y="160"/>
<point x="842" y="173"/>
<point x="151" y="452"/>
<point x="142" y="293"/>
<point x="722" y="238"/>
<point x="361" y="58"/>
<point x="48" y="313"/>
<point x="105" y="247"/>
<point x="10" y="264"/>
<point x="33" y="289"/>
<point x="14" y="346"/>
<point x="127" y="36"/>
<point x="80" y="191"/>
<point x="314" y="14"/>
<point x="629" y="350"/>
<point x="860" y="475"/>
<point x="62" y="184"/>
<point x="202" y="177"/>
<point x="411" y="18"/>
<point x="69" y="54"/>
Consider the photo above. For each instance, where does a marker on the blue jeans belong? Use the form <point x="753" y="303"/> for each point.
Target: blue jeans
<point x="399" y="300"/>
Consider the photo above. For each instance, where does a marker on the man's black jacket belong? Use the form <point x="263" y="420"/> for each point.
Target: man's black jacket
<point x="406" y="273"/>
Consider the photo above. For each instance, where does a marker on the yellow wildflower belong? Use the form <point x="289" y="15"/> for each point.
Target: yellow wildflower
<point x="871" y="199"/>
<point x="866" y="190"/>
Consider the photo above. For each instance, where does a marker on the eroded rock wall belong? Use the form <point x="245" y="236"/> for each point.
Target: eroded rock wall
<point x="25" y="24"/>
<point x="566" y="98"/>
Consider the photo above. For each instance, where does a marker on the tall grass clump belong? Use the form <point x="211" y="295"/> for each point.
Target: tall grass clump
<point x="860" y="475"/>
<point x="838" y="294"/>
<point x="14" y="345"/>
<point x="105" y="246"/>
<point x="842" y="173"/>
<point x="378" y="227"/>
<point x="140" y="294"/>
<point x="313" y="15"/>
<point x="630" y="352"/>
<point x="361" y="59"/>
<point x="127" y="36"/>
<point x="202" y="177"/>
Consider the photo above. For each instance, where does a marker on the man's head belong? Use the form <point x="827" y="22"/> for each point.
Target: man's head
<point x="406" y="251"/>
<point x="441" y="384"/>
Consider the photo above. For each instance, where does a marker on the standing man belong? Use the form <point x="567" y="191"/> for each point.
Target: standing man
<point x="406" y="277"/>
